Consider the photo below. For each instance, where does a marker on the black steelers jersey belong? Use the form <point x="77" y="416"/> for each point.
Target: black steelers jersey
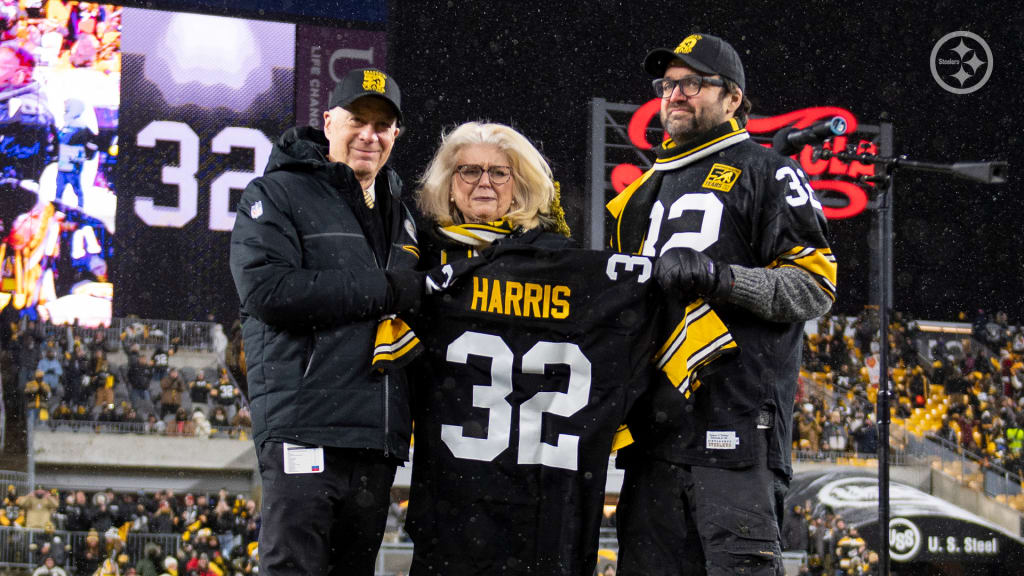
<point x="532" y="360"/>
<point x="739" y="203"/>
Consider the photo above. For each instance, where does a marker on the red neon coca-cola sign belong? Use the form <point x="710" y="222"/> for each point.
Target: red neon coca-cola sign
<point x="836" y="177"/>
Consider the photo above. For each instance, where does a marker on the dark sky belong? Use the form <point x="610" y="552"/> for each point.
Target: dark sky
<point x="536" y="65"/>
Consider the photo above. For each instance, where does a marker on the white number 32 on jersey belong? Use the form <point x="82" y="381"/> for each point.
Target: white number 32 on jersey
<point x="802" y="193"/>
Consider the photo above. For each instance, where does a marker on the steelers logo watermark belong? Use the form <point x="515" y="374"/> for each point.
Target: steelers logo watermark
<point x="961" y="62"/>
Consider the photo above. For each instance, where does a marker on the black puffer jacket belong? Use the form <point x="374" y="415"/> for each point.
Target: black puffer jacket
<point x="312" y="289"/>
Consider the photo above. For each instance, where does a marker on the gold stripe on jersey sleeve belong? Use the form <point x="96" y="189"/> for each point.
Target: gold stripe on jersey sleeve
<point x="819" y="262"/>
<point x="394" y="344"/>
<point x="411" y="250"/>
<point x="698" y="339"/>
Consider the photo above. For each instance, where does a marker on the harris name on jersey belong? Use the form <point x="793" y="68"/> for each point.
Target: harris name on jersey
<point x="522" y="299"/>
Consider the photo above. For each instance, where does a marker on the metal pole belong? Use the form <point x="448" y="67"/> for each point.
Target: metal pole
<point x="594" y="236"/>
<point x="884" y="305"/>
<point x="29" y="437"/>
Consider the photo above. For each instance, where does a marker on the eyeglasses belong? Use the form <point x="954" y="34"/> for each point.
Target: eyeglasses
<point x="689" y="85"/>
<point x="471" y="173"/>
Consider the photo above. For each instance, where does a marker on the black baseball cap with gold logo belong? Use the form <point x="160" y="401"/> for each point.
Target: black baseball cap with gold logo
<point x="367" y="82"/>
<point x="702" y="52"/>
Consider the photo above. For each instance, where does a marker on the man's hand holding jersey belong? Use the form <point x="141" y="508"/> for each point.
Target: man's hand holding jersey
<point x="689" y="273"/>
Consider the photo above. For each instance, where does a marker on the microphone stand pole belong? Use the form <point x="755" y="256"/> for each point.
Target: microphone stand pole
<point x="985" y="172"/>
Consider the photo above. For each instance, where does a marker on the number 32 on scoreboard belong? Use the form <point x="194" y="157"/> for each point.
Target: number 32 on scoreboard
<point x="183" y="176"/>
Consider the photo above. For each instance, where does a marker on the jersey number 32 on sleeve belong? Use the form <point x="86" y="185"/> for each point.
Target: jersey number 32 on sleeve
<point x="532" y="450"/>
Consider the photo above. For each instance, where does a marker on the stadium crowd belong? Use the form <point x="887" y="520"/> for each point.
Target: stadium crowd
<point x="209" y="534"/>
<point x="979" y="381"/>
<point x="70" y="379"/>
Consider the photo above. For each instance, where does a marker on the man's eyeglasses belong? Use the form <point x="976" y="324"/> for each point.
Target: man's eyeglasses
<point x="471" y="173"/>
<point x="689" y="85"/>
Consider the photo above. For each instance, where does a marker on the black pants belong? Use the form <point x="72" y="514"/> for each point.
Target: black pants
<point x="695" y="520"/>
<point x="329" y="523"/>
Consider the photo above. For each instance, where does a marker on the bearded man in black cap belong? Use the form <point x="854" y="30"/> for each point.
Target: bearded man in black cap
<point x="323" y="250"/>
<point x="737" y="227"/>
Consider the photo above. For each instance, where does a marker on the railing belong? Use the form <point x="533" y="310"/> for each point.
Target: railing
<point x="143" y="428"/>
<point x="185" y="335"/>
<point x="20" y="547"/>
<point x="996" y="480"/>
<point x="19" y="479"/>
<point x="897" y="457"/>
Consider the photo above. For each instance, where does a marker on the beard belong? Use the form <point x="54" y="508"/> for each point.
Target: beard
<point x="689" y="126"/>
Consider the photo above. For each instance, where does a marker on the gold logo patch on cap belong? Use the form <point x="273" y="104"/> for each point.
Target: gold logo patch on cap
<point x="722" y="177"/>
<point x="374" y="80"/>
<point x="687" y="44"/>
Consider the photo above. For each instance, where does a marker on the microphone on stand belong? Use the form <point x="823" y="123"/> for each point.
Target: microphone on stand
<point x="789" y="141"/>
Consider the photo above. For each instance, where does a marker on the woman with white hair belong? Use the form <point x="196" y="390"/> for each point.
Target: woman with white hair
<point x="485" y="183"/>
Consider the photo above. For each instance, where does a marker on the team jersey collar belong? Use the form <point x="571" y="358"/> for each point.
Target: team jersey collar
<point x="672" y="156"/>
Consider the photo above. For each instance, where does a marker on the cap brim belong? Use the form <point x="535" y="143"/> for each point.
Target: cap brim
<point x="398" y="111"/>
<point x="658" y="60"/>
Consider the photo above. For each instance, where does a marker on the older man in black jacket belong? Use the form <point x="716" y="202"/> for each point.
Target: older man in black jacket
<point x="322" y="250"/>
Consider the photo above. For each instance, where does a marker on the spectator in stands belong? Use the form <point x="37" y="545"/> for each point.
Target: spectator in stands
<point x="836" y="433"/>
<point x="163" y="520"/>
<point x="76" y="367"/>
<point x="137" y="517"/>
<point x="181" y="425"/>
<point x="88" y="558"/>
<point x="138" y="376"/>
<point x="242" y="420"/>
<point x="160" y="362"/>
<point x="100" y="515"/>
<point x="49" y="568"/>
<point x="39" y="506"/>
<point x="115" y="561"/>
<point x="50" y="544"/>
<point x="219" y="419"/>
<point x="76" y="510"/>
<point x="200" y="425"/>
<point x="99" y="361"/>
<point x="37" y="393"/>
<point x="199" y="390"/>
<point x="809" y="428"/>
<point x="966" y="425"/>
<point x="62" y="412"/>
<point x="52" y="371"/>
<point x="150" y="563"/>
<point x="866" y="437"/>
<point x="120" y="506"/>
<point x="227" y="396"/>
<point x="199" y="566"/>
<point x="218" y="343"/>
<point x="170" y="566"/>
<point x="103" y="383"/>
<point x="172" y="388"/>
<point x="795" y="530"/>
<point x="128" y="414"/>
<point x="154" y="425"/>
<point x="222" y="519"/>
